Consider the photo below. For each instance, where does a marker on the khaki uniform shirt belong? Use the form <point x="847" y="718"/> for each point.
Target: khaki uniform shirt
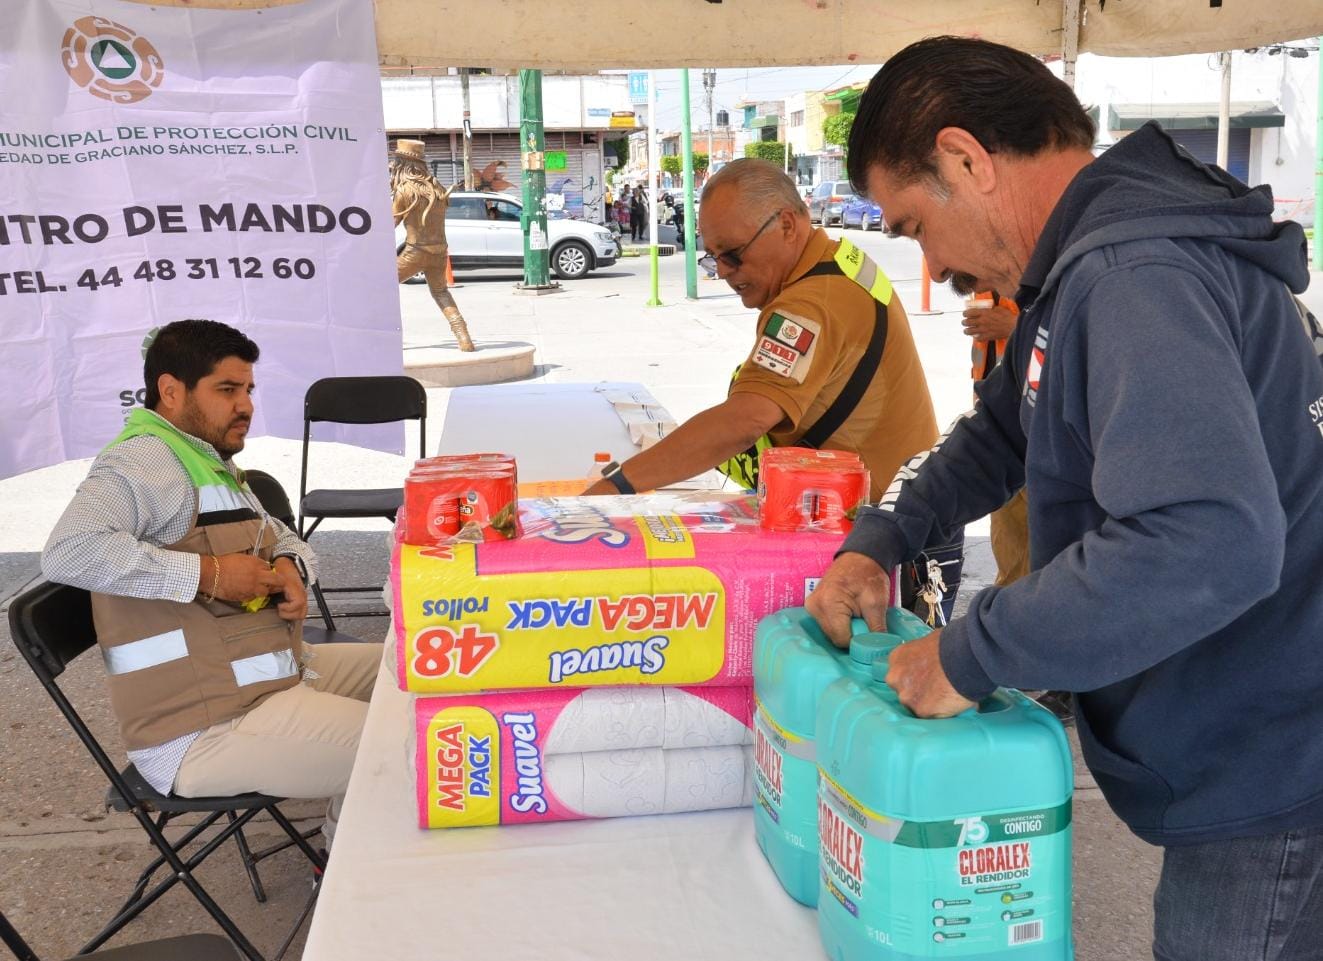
<point x="810" y="337"/>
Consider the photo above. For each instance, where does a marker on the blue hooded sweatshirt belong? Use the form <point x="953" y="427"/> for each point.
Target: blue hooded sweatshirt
<point x="1162" y="403"/>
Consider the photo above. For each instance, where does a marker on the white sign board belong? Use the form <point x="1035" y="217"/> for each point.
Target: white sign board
<point x="159" y="163"/>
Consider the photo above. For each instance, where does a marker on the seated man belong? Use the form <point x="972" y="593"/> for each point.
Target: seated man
<point x="825" y="312"/>
<point x="199" y="596"/>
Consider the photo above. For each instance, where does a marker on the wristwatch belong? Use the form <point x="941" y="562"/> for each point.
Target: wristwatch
<point x="614" y="473"/>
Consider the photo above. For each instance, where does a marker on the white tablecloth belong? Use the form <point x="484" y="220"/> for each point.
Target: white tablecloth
<point x="686" y="887"/>
<point x="552" y="430"/>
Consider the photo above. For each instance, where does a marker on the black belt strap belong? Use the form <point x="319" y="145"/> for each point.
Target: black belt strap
<point x="853" y="391"/>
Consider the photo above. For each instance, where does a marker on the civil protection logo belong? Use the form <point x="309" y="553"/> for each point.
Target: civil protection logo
<point x="110" y="61"/>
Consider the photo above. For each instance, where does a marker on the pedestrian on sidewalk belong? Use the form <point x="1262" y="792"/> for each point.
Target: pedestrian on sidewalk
<point x="621" y="212"/>
<point x="638" y="214"/>
<point x="1160" y="402"/>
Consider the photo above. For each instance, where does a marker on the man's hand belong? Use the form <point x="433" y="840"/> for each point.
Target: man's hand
<point x="854" y="586"/>
<point x="295" y="605"/>
<point x="989" y="323"/>
<point x="916" y="675"/>
<point x="242" y="577"/>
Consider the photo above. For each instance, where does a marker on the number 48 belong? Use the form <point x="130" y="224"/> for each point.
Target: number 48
<point x="165" y="270"/>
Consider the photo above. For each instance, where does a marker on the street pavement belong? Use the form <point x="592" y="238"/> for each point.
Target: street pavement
<point x="67" y="864"/>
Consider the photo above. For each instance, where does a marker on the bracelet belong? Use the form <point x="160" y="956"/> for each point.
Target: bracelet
<point x="620" y="481"/>
<point x="215" y="580"/>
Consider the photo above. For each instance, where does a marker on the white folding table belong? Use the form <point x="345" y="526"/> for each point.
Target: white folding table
<point x="687" y="887"/>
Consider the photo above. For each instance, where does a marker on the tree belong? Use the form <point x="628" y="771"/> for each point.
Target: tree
<point x="621" y="149"/>
<point x="772" y="151"/>
<point x="836" y="128"/>
<point x="673" y="163"/>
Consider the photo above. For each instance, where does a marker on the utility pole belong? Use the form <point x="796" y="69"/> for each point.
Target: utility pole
<point x="1070" y="41"/>
<point x="655" y="299"/>
<point x="534" y="216"/>
<point x="687" y="146"/>
<point x="709" y="88"/>
<point x="468" y="128"/>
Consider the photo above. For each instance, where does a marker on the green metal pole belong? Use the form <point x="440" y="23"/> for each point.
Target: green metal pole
<point x="655" y="299"/>
<point x="531" y="144"/>
<point x="687" y="147"/>
<point x="1318" y="167"/>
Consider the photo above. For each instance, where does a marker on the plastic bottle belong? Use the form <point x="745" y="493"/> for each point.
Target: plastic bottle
<point x="600" y="460"/>
<point x="793" y="664"/>
<point x="942" y="838"/>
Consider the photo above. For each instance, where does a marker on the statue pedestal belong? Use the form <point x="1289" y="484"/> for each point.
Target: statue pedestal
<point x="525" y="291"/>
<point x="451" y="367"/>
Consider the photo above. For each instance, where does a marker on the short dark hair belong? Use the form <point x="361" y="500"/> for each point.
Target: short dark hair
<point x="190" y="350"/>
<point x="1006" y="99"/>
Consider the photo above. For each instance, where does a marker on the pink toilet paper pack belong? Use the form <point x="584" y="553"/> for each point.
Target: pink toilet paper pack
<point x="600" y="591"/>
<point x="517" y="757"/>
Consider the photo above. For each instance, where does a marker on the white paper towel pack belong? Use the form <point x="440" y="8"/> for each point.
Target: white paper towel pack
<point x="609" y="784"/>
<point x="613" y="718"/>
<point x="519" y="756"/>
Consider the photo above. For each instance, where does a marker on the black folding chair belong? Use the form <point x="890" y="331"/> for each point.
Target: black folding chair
<point x="187" y="947"/>
<point x="275" y="502"/>
<point x="52" y="625"/>
<point x="355" y="400"/>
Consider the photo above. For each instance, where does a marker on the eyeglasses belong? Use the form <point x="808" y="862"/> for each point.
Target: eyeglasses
<point x="734" y="259"/>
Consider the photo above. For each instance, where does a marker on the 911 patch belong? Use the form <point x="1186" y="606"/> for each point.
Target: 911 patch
<point x="786" y="346"/>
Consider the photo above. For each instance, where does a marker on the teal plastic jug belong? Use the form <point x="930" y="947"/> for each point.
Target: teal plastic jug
<point x="793" y="664"/>
<point x="943" y="838"/>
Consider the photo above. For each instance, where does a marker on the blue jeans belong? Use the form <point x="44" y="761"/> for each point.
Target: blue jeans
<point x="951" y="558"/>
<point x="1249" y="899"/>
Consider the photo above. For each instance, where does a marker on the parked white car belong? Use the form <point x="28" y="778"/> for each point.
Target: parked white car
<point x="483" y="230"/>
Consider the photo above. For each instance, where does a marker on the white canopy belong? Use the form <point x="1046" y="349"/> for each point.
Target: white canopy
<point x="592" y="34"/>
<point x="642" y="34"/>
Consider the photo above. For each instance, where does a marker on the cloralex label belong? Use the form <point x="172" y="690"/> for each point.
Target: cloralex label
<point x="969" y="886"/>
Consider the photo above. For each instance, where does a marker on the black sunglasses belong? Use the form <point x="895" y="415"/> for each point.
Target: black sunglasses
<point x="734" y="259"/>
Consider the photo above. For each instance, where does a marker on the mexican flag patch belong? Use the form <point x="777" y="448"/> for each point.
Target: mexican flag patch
<point x="787" y="345"/>
<point x="789" y="332"/>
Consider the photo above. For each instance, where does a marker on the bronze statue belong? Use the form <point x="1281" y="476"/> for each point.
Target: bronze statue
<point x="420" y="203"/>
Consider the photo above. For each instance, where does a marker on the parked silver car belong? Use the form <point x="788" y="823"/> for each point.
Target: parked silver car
<point x="827" y="200"/>
<point x="483" y="230"/>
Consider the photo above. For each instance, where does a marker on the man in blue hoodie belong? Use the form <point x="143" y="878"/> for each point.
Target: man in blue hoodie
<point x="1163" y="406"/>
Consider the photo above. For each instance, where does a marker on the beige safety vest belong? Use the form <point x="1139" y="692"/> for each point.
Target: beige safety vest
<point x="177" y="668"/>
